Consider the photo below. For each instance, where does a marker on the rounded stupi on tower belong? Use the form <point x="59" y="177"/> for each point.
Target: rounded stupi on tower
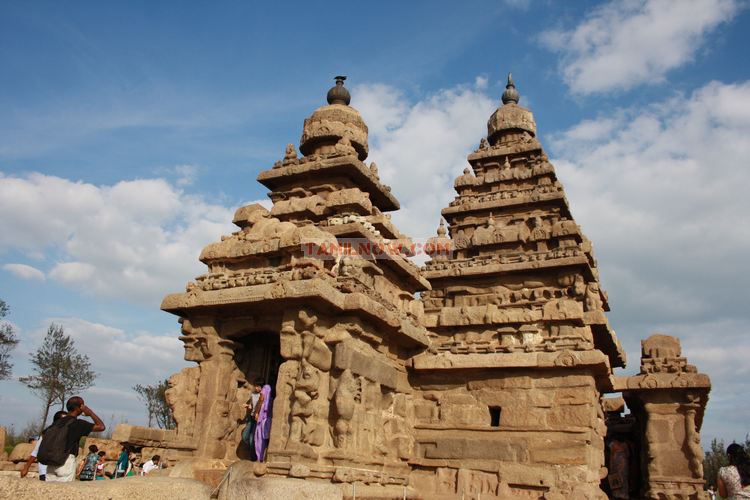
<point x="510" y="120"/>
<point x="335" y="127"/>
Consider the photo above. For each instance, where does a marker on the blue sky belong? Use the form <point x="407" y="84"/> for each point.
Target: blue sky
<point x="130" y="132"/>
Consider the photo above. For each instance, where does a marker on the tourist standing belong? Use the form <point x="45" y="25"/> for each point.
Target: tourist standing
<point x="734" y="479"/>
<point x="62" y="438"/>
<point x="248" y="433"/>
<point x="263" y="419"/>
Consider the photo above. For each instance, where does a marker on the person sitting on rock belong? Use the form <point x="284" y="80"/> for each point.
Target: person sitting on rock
<point x="121" y="467"/>
<point x="100" y="474"/>
<point x="87" y="469"/>
<point x="150" y="465"/>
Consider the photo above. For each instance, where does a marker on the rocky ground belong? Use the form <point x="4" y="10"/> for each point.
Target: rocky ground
<point x="130" y="488"/>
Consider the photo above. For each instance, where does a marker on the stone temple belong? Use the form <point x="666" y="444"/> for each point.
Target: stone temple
<point x="483" y="374"/>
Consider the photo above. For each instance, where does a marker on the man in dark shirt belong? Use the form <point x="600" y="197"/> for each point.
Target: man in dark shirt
<point x="76" y="430"/>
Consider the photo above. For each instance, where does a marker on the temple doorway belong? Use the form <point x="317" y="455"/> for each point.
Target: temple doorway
<point x="260" y="357"/>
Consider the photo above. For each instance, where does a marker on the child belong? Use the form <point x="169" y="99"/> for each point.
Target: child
<point x="100" y="466"/>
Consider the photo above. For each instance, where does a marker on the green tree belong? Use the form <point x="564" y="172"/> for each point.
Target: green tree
<point x="8" y="341"/>
<point x="60" y="371"/>
<point x="155" y="399"/>
<point x="715" y="458"/>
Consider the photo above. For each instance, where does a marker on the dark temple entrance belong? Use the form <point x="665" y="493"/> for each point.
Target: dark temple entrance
<point x="260" y="357"/>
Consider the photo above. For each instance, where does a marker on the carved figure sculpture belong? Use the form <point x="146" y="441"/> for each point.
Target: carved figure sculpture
<point x="593" y="301"/>
<point x="182" y="396"/>
<point x="344" y="404"/>
<point x="290" y="153"/>
<point x="305" y="392"/>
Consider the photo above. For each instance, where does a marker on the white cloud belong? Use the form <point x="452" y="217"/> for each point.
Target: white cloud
<point x="136" y="239"/>
<point x="121" y="360"/>
<point x="24" y="271"/>
<point x="627" y="43"/>
<point x="421" y="147"/>
<point x="183" y="175"/>
<point x="660" y="190"/>
<point x="122" y="357"/>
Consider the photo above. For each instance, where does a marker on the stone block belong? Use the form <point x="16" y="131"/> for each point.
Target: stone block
<point x="122" y="432"/>
<point x="278" y="488"/>
<point x="110" y="446"/>
<point x="468" y="448"/>
<point x="21" y="452"/>
<point x="346" y="356"/>
<point x="6" y="465"/>
<point x="575" y="396"/>
<point x="575" y="416"/>
<point x="558" y="451"/>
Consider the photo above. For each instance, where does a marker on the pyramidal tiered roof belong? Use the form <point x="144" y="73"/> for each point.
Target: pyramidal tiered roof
<point x="522" y="277"/>
<point x="322" y="202"/>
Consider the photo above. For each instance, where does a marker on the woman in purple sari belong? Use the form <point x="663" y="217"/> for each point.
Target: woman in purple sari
<point x="263" y="419"/>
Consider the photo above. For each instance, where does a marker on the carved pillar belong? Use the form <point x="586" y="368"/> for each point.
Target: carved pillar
<point x="215" y="419"/>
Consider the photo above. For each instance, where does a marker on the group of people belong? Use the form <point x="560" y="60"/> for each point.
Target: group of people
<point x="258" y="422"/>
<point x="56" y="450"/>
<point x="92" y="466"/>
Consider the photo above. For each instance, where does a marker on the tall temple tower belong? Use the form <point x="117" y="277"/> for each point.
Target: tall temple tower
<point x="481" y="375"/>
<point x="516" y="319"/>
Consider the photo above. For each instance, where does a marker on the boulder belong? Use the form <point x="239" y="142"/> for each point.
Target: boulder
<point x="110" y="446"/>
<point x="21" y="452"/>
<point x="279" y="487"/>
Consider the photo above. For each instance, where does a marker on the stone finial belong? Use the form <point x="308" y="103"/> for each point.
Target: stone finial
<point x="336" y="128"/>
<point x="439" y="247"/>
<point x="507" y="121"/>
<point x="663" y="354"/>
<point x="510" y="95"/>
<point x="290" y="153"/>
<point x="338" y="94"/>
<point x="441" y="228"/>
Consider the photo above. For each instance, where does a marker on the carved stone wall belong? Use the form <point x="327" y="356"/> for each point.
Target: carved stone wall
<point x="520" y="425"/>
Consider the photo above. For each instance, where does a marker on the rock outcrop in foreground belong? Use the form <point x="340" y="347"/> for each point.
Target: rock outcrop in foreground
<point x="131" y="488"/>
